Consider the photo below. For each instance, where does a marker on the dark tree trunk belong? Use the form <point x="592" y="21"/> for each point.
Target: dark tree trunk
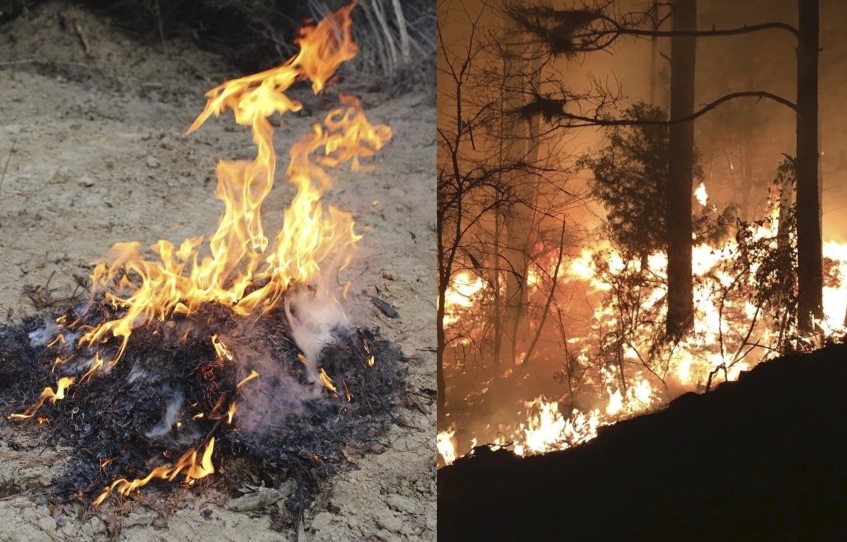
<point x="809" y="243"/>
<point x="497" y="316"/>
<point x="747" y="183"/>
<point x="680" y="171"/>
<point x="442" y="388"/>
<point x="518" y="140"/>
<point x="440" y="343"/>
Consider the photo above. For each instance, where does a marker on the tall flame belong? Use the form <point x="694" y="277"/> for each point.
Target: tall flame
<point x="242" y="269"/>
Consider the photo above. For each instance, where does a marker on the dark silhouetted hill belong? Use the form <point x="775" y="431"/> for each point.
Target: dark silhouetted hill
<point x="763" y="458"/>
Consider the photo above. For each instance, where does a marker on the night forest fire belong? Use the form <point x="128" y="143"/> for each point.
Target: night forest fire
<point x="731" y="333"/>
<point x="604" y="265"/>
<point x="232" y="348"/>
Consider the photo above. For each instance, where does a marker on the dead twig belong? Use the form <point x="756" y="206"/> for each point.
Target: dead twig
<point x="53" y="536"/>
<point x="82" y="39"/>
<point x="6" y="166"/>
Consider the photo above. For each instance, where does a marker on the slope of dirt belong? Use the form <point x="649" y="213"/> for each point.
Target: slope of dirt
<point x="762" y="458"/>
<point x="93" y="152"/>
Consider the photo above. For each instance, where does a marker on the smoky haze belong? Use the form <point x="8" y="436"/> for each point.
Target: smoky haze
<point x="739" y="144"/>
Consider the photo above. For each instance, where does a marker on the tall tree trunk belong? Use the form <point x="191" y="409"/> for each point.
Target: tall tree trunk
<point x="654" y="51"/>
<point x="747" y="184"/>
<point x="441" y="346"/>
<point x="444" y="270"/>
<point x="518" y="144"/>
<point x="809" y="243"/>
<point x="680" y="171"/>
<point x="497" y="316"/>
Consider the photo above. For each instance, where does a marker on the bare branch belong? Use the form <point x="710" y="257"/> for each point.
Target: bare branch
<point x="571" y="120"/>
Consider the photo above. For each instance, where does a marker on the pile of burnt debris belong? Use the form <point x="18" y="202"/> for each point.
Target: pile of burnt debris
<point x="763" y="458"/>
<point x="169" y="393"/>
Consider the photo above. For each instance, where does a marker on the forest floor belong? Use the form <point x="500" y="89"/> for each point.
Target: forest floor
<point x="93" y="152"/>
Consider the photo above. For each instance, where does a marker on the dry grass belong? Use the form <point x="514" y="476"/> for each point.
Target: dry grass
<point x="396" y="38"/>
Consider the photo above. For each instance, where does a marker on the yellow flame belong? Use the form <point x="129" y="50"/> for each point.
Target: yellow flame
<point x="243" y="269"/>
<point x="371" y="359"/>
<point x="461" y="295"/>
<point x="446" y="445"/>
<point x="701" y="195"/>
<point x="48" y="393"/>
<point x="230" y="413"/>
<point x="718" y="349"/>
<point x="188" y="463"/>
<point x="222" y="350"/>
<point x="327" y="381"/>
<point x="253" y="374"/>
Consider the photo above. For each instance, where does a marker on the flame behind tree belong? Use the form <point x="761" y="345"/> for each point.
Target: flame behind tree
<point x="244" y="270"/>
<point x="630" y="179"/>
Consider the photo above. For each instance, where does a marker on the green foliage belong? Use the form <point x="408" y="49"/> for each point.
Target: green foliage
<point x="771" y="262"/>
<point x="630" y="179"/>
<point x="9" y="9"/>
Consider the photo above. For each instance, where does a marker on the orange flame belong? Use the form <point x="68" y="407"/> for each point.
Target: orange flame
<point x="194" y="470"/>
<point x="244" y="270"/>
<point x="240" y="267"/>
<point x="729" y="335"/>
<point x="48" y="393"/>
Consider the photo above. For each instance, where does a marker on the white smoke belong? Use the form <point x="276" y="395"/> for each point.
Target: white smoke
<point x="316" y="319"/>
<point x="44" y="335"/>
<point x="276" y="393"/>
<point x="171" y="412"/>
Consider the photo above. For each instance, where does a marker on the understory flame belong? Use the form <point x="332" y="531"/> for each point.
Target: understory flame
<point x="730" y="334"/>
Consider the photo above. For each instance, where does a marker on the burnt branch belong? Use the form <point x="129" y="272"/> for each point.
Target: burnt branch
<point x="574" y="120"/>
<point x="570" y="32"/>
<point x="621" y="30"/>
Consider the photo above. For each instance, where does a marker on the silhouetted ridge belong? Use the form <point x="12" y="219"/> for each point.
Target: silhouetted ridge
<point x="763" y="458"/>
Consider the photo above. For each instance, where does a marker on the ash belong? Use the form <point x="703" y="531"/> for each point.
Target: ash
<point x="143" y="412"/>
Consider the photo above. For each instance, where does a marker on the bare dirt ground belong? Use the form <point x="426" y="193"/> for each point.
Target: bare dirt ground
<point x="93" y="152"/>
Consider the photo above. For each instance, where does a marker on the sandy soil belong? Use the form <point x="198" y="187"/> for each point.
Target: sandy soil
<point x="92" y="136"/>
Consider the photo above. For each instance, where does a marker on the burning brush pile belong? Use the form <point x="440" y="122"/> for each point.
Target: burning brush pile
<point x="232" y="354"/>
